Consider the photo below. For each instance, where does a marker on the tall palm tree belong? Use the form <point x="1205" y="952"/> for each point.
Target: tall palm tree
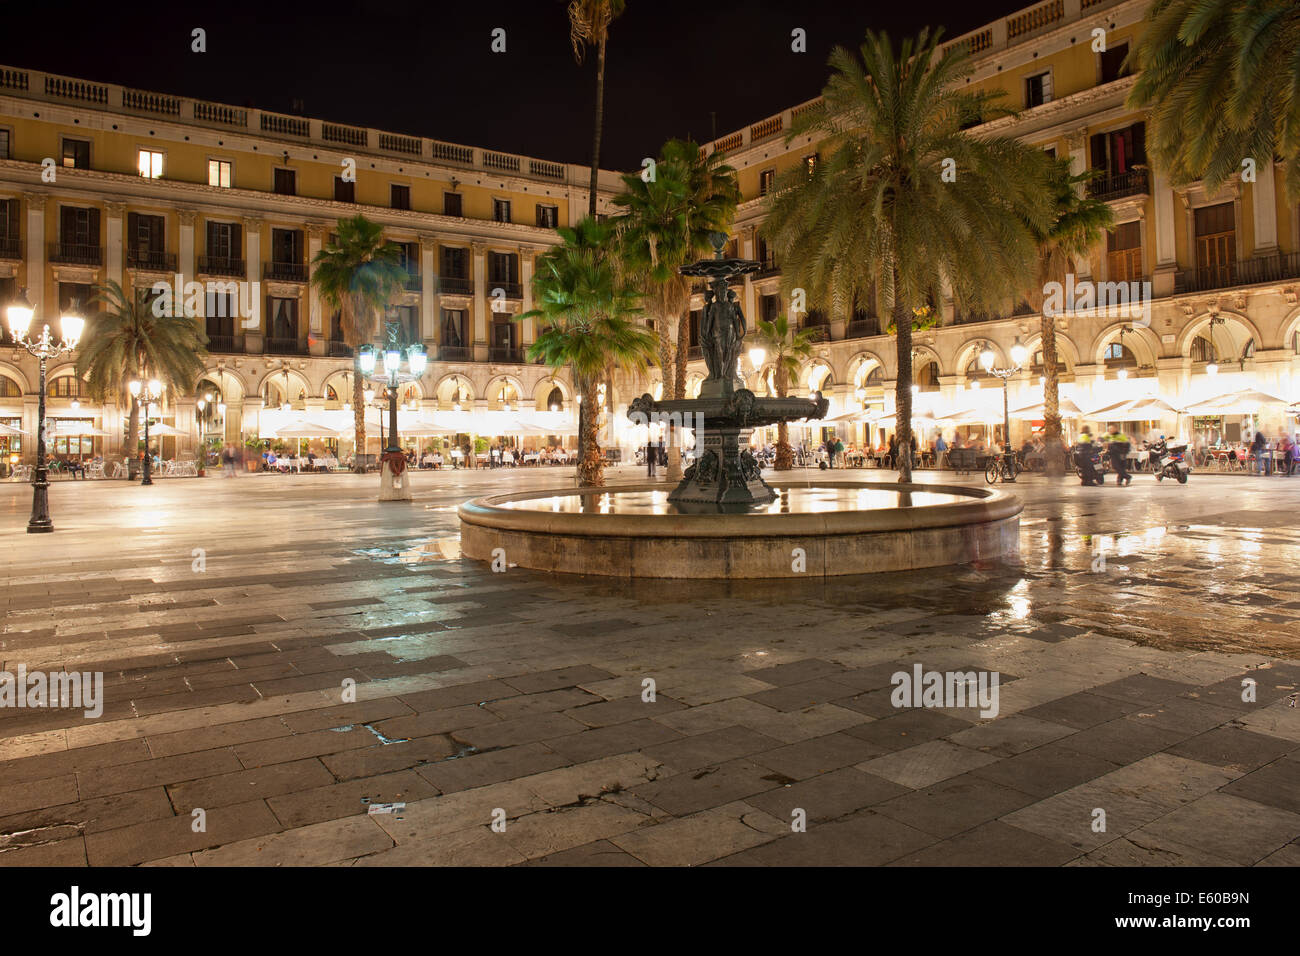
<point x="589" y="22"/>
<point x="588" y="314"/>
<point x="1076" y="224"/>
<point x="127" y="341"/>
<point x="878" y="216"/>
<point x="666" y="224"/>
<point x="358" y="273"/>
<point x="788" y="349"/>
<point x="1221" y="82"/>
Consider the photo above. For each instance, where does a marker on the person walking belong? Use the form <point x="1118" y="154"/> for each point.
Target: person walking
<point x="227" y="461"/>
<point x="651" y="456"/>
<point x="839" y="452"/>
<point x="1118" y="448"/>
<point x="1257" y="449"/>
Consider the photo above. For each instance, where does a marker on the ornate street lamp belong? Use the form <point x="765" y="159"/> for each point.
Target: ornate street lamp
<point x="417" y="361"/>
<point x="151" y="391"/>
<point x="1018" y="355"/>
<point x="20" y="313"/>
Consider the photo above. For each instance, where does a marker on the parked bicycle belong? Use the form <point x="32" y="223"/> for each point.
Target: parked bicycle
<point x="1002" y="466"/>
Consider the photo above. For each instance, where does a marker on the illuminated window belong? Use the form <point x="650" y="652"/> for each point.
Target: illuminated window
<point x="219" y="173"/>
<point x="150" y="164"/>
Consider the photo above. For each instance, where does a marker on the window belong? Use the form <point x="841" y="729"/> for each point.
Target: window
<point x="283" y="322"/>
<point x="285" y="182"/>
<point x="1203" y="350"/>
<point x="453" y="327"/>
<point x="1118" y="151"/>
<point x="344" y="191"/>
<point x="810" y="163"/>
<point x="408" y="257"/>
<point x="78" y="226"/>
<point x="451" y="204"/>
<point x="76" y="154"/>
<point x="927" y="379"/>
<point x="75" y="294"/>
<point x="8" y="226"/>
<point x="1112" y="63"/>
<point x="9" y="389"/>
<point x="1050" y="151"/>
<point x="399" y="196"/>
<point x="408" y="317"/>
<point x="1124" y="252"/>
<point x="286" y="246"/>
<point x="769" y="307"/>
<point x="223" y="240"/>
<point x="66" y="386"/>
<point x="4" y="144"/>
<point x="454" y="263"/>
<point x="765" y="180"/>
<point x="1118" y="355"/>
<point x="501" y="210"/>
<point x="1216" y="243"/>
<point x="219" y="173"/>
<point x="149" y="162"/>
<point x="875" y="378"/>
<point x="548" y="217"/>
<point x="219" y="320"/>
<point x="1038" y="89"/>
<point x="145" y="237"/>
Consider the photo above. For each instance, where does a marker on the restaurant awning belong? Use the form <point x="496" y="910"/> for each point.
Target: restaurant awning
<point x="1134" y="410"/>
<point x="1247" y="401"/>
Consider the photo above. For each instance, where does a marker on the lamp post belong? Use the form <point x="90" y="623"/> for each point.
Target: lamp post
<point x="416" y="361"/>
<point x="1018" y="355"/>
<point x="151" y="391"/>
<point x="20" y="313"/>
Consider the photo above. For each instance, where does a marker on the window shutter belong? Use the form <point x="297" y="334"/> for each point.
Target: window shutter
<point x="1099" y="151"/>
<point x="94" y="227"/>
<point x="1047" y="87"/>
<point x="1140" y="143"/>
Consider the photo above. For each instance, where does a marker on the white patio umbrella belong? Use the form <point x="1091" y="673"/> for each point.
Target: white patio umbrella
<point x="10" y="430"/>
<point x="306" y="429"/>
<point x="1034" y="412"/>
<point x="161" y="429"/>
<point x="73" y="429"/>
<point x="1133" y="410"/>
<point x="1246" y="401"/>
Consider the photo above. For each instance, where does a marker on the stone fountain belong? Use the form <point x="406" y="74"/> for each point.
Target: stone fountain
<point x="725" y="476"/>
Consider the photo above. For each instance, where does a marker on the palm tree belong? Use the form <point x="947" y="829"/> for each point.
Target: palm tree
<point x="588" y="313"/>
<point x="589" y="22"/>
<point x="667" y="222"/>
<point x="1076" y="225"/>
<point x="788" y="349"/>
<point x="128" y="341"/>
<point x="1221" y="82"/>
<point x="906" y="206"/>
<point x="357" y="274"/>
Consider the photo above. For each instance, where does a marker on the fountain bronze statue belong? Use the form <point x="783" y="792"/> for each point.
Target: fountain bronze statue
<point x="725" y="475"/>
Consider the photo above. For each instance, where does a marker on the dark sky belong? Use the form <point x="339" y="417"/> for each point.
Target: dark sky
<point x="426" y="68"/>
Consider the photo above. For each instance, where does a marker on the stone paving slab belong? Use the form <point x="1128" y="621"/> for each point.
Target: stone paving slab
<point x="285" y="692"/>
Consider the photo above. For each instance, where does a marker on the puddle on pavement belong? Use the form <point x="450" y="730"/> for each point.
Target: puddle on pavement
<point x="434" y="549"/>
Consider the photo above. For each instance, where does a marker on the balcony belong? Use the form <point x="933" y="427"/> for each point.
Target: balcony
<point x="222" y="343"/>
<point x="337" y="349"/>
<point x="284" y="347"/>
<point x="77" y="254"/>
<point x="455" y="285"/>
<point x="1277" y="268"/>
<point x="11" y="248"/>
<point x="767" y="267"/>
<point x="147" y="260"/>
<point x="694" y="353"/>
<point x="455" y="353"/>
<point x="1106" y="188"/>
<point x="862" y="329"/>
<point x="513" y="290"/>
<point x="221" y="266"/>
<point x="414" y="282"/>
<point x="817" y="333"/>
<point x="285" y="271"/>
<point x="506" y="356"/>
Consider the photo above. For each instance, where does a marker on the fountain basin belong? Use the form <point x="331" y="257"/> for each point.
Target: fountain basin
<point x="827" y="529"/>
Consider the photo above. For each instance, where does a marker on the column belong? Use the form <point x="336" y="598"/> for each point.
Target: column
<point x="185" y="258"/>
<point x="113" y="254"/>
<point x="252" y="326"/>
<point x="315" y="318"/>
<point x="750" y="294"/>
<point x="480" y="316"/>
<point x="1264" y="198"/>
<point x="428" y="296"/>
<point x="1077" y="141"/>
<point x="35" y="257"/>
<point x="1166" y="251"/>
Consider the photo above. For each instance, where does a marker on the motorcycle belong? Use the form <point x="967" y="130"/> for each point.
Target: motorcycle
<point x="1171" y="463"/>
<point x="1090" y="453"/>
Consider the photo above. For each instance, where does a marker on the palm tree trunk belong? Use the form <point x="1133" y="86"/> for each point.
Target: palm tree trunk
<point x="600" y="123"/>
<point x="132" y="442"/>
<point x="683" y="353"/>
<point x="784" y="453"/>
<point x="1054" y="451"/>
<point x="667" y="359"/>
<point x="591" y="466"/>
<point x="903" y="387"/>
<point x="358" y="416"/>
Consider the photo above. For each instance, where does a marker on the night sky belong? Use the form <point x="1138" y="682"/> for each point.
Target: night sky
<point x="426" y="68"/>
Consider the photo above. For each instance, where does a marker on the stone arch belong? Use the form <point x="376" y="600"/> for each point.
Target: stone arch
<point x="14" y="372"/>
<point x="451" y="386"/>
<point x="861" y="365"/>
<point x="1290" y="326"/>
<point x="543" y="389"/>
<point x="497" y="383"/>
<point x="288" y="383"/>
<point x="969" y="351"/>
<point x="341" y="381"/>
<point x="1066" y="351"/>
<point x="1235" y="326"/>
<point x="1141" y="341"/>
<point x="693" y="382"/>
<point x="231" y="383"/>
<point x="818" y="373"/>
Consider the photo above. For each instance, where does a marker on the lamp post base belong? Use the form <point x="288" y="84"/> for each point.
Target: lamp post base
<point x="40" y="522"/>
<point x="394" y="487"/>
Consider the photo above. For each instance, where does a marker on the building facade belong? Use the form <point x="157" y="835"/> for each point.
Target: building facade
<point x="105" y="182"/>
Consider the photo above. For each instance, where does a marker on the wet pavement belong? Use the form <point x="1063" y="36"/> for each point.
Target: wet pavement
<point x="282" y="656"/>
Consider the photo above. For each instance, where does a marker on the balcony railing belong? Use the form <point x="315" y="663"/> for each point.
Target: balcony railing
<point x="513" y="290"/>
<point x="509" y="356"/>
<point x="414" y="282"/>
<point x="284" y="347"/>
<point x="768" y="267"/>
<point x="221" y="266"/>
<point x="862" y="328"/>
<point x="11" y="248"/>
<point x="285" y="271"/>
<point x="1275" y="268"/>
<point x="151" y="261"/>
<point x="694" y="352"/>
<point x="337" y="349"/>
<point x="818" y="333"/>
<point x="1132" y="183"/>
<point x="77" y="254"/>
<point x="455" y="353"/>
<point x="455" y="285"/>
<point x="221" y="343"/>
